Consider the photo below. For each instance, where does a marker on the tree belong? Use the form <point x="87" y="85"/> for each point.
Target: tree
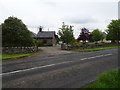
<point x="38" y="42"/>
<point x="84" y="35"/>
<point x="15" y="33"/>
<point x="97" y="35"/>
<point x="113" y="31"/>
<point x="66" y="34"/>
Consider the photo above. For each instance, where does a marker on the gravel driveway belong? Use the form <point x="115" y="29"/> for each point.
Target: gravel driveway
<point x="56" y="50"/>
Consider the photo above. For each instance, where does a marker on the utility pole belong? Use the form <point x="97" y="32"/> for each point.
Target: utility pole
<point x="119" y="10"/>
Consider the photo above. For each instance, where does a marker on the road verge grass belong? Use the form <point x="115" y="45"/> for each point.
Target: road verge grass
<point x="14" y="56"/>
<point x="97" y="49"/>
<point x="108" y="79"/>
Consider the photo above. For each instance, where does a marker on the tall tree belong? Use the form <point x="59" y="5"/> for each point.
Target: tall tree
<point x="84" y="35"/>
<point x="15" y="33"/>
<point x="97" y="35"/>
<point x="113" y="31"/>
<point x="66" y="33"/>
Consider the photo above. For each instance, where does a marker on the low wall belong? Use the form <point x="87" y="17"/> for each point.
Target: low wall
<point x="18" y="50"/>
<point x="70" y="47"/>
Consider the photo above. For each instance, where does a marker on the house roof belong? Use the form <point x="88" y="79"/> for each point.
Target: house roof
<point x="45" y="34"/>
<point x="33" y="34"/>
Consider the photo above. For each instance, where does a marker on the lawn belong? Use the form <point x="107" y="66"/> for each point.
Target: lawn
<point x="14" y="56"/>
<point x="108" y="79"/>
<point x="97" y="49"/>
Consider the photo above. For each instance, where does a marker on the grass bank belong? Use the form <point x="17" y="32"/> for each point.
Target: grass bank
<point x="97" y="49"/>
<point x="109" y="79"/>
<point x="14" y="56"/>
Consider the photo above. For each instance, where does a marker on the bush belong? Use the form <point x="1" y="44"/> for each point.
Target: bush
<point x="76" y="44"/>
<point x="15" y="33"/>
<point x="40" y="43"/>
<point x="49" y="44"/>
<point x="37" y="42"/>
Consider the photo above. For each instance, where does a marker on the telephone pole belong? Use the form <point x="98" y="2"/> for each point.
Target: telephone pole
<point x="119" y="10"/>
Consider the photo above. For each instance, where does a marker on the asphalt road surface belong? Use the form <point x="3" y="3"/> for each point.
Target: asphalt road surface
<point x="71" y="70"/>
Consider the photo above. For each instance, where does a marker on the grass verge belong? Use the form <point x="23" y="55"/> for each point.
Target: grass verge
<point x="109" y="79"/>
<point x="14" y="56"/>
<point x="97" y="49"/>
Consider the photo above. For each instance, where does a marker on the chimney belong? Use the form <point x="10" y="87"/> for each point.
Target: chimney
<point x="40" y="29"/>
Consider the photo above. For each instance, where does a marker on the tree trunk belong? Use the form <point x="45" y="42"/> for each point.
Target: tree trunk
<point x="112" y="41"/>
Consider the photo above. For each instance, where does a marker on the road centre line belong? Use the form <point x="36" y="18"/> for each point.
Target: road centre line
<point x="95" y="56"/>
<point x="107" y="54"/>
<point x="51" y="65"/>
<point x="34" y="68"/>
<point x="84" y="59"/>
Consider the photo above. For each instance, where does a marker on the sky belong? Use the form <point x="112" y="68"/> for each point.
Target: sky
<point x="91" y="14"/>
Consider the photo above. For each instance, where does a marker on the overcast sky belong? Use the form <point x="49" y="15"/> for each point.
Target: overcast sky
<point x="91" y="14"/>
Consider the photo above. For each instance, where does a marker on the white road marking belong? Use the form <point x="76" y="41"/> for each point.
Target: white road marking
<point x="107" y="54"/>
<point x="95" y="56"/>
<point x="99" y="56"/>
<point x="34" y="68"/>
<point x="91" y="57"/>
<point x="51" y="65"/>
<point x="83" y="58"/>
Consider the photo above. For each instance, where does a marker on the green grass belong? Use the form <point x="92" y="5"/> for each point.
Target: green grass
<point x="109" y="79"/>
<point x="97" y="49"/>
<point x="14" y="56"/>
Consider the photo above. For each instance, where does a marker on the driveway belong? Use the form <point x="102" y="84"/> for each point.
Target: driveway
<point x="56" y="50"/>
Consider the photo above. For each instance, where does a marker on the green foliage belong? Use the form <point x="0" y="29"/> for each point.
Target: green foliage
<point x="66" y="34"/>
<point x="107" y="80"/>
<point x="40" y="43"/>
<point x="97" y="49"/>
<point x="76" y="44"/>
<point x="73" y="41"/>
<point x="15" y="33"/>
<point x="97" y="35"/>
<point x="49" y="44"/>
<point x="14" y="56"/>
<point x="113" y="30"/>
<point x="37" y="42"/>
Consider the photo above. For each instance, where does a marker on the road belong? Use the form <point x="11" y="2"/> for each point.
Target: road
<point x="71" y="70"/>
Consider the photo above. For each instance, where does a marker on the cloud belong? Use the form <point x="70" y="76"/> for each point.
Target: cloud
<point x="51" y="13"/>
<point x="53" y="4"/>
<point x="78" y="0"/>
<point x="80" y="19"/>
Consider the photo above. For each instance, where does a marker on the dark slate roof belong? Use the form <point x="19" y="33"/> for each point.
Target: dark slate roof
<point x="33" y="34"/>
<point x="45" y="34"/>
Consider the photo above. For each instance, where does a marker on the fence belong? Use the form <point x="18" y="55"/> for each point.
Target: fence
<point x="18" y="50"/>
<point x="70" y="47"/>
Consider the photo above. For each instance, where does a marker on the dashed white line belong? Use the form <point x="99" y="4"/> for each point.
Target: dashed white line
<point x="34" y="68"/>
<point x="107" y="54"/>
<point x="96" y="56"/>
<point x="51" y="65"/>
<point x="83" y="58"/>
<point x="91" y="57"/>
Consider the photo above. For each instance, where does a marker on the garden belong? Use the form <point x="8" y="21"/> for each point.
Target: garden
<point x="90" y="41"/>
